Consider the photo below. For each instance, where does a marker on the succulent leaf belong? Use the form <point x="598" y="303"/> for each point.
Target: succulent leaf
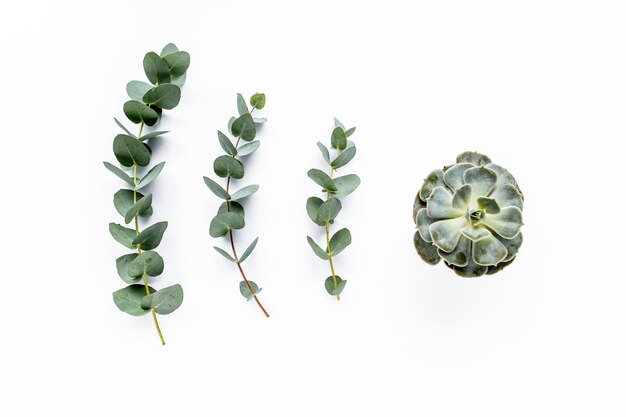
<point x="453" y="177"/>
<point x="433" y="180"/>
<point x="439" y="205"/>
<point x="488" y="251"/>
<point x="507" y="223"/>
<point x="446" y="233"/>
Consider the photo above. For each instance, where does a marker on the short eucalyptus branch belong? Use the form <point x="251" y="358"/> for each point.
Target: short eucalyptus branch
<point x="230" y="215"/>
<point x="166" y="73"/>
<point x="324" y="212"/>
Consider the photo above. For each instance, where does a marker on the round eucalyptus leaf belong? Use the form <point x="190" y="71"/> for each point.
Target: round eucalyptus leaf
<point x="321" y="178"/>
<point x="122" y="235"/>
<point x="177" y="62"/>
<point x="223" y="222"/>
<point x="244" y="127"/>
<point x="328" y="210"/>
<point x="245" y="291"/>
<point x="123" y="200"/>
<point x="138" y="112"/>
<point x="258" y="101"/>
<point x="140" y="207"/>
<point x="165" y="300"/>
<point x="344" y="157"/>
<point x="148" y="262"/>
<point x="329" y="284"/>
<point x="137" y="89"/>
<point x="233" y="207"/>
<point x="129" y="151"/>
<point x="340" y="240"/>
<point x="346" y="184"/>
<point x="151" y="236"/>
<point x="179" y="81"/>
<point x="156" y="69"/>
<point x="338" y="138"/>
<point x="312" y="206"/>
<point x="121" y="264"/>
<point x="248" y="148"/>
<point x="227" y="166"/>
<point x="129" y="299"/>
<point x="170" y="48"/>
<point x="165" y="96"/>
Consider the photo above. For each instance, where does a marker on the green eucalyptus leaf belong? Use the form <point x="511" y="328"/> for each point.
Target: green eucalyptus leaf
<point x="312" y="206"/>
<point x="165" y="96"/>
<point x="121" y="264"/>
<point x="138" y="112"/>
<point x="350" y="131"/>
<point x="329" y="284"/>
<point x="242" y="108"/>
<point x="123" y="235"/>
<point x="340" y="240"/>
<point x="233" y="207"/>
<point x="164" y="301"/>
<point x="119" y="173"/>
<point x="179" y="81"/>
<point x="138" y="208"/>
<point x="338" y="139"/>
<point x="230" y="124"/>
<point x="177" y="62"/>
<point x="224" y="254"/>
<point x="259" y="120"/>
<point x="245" y="291"/>
<point x="148" y="262"/>
<point x="248" y="148"/>
<point x="226" y="144"/>
<point x="151" y="236"/>
<point x="151" y="175"/>
<point x="258" y="101"/>
<point x="316" y="248"/>
<point x="321" y="178"/>
<point x="129" y="151"/>
<point x="324" y="151"/>
<point x="123" y="128"/>
<point x="344" y="157"/>
<point x="137" y="89"/>
<point x="123" y="200"/>
<point x="248" y="250"/>
<point x="328" y="210"/>
<point x="227" y="166"/>
<point x="217" y="189"/>
<point x="346" y="184"/>
<point x="170" y="48"/>
<point x="244" y="127"/>
<point x="338" y="123"/>
<point x="151" y="135"/>
<point x="156" y="69"/>
<point x="129" y="299"/>
<point x="223" y="222"/>
<point x="245" y="192"/>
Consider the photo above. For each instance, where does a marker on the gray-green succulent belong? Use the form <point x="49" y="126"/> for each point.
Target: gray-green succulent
<point x="323" y="212"/>
<point x="469" y="214"/>
<point x="230" y="214"/>
<point x="166" y="73"/>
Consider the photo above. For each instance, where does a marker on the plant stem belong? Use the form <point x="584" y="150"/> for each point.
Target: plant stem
<point x="232" y="244"/>
<point x="330" y="257"/>
<point x="145" y="276"/>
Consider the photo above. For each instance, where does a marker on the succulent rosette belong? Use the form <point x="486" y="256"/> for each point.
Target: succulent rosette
<point x="469" y="214"/>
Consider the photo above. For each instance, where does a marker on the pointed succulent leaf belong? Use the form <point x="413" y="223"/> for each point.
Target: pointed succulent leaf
<point x="244" y="127"/>
<point x="344" y="157"/>
<point x="150" y="237"/>
<point x="224" y="254"/>
<point x="138" y="112"/>
<point x="312" y="206"/>
<point x="324" y="150"/>
<point x="137" y="89"/>
<point x="248" y="250"/>
<point x="151" y="175"/>
<point x="432" y="181"/>
<point x="140" y="207"/>
<point x="227" y="166"/>
<point x="257" y="101"/>
<point x="223" y="222"/>
<point x="121" y="264"/>
<point x="439" y="205"/>
<point x="248" y="148"/>
<point x="217" y="189"/>
<point x="156" y="69"/>
<point x="165" y="96"/>
<point x="321" y="178"/>
<point x="244" y="192"/>
<point x="129" y="299"/>
<point x="346" y="184"/>
<point x="316" y="248"/>
<point x="119" y="173"/>
<point x="129" y="151"/>
<point x="329" y="284"/>
<point x="340" y="240"/>
<point x="177" y="62"/>
<point x="461" y="198"/>
<point x="245" y="291"/>
<point x="453" y="177"/>
<point x="123" y="235"/>
<point x="338" y="139"/>
<point x="164" y="301"/>
<point x="226" y="144"/>
<point x="446" y="233"/>
<point x="328" y="210"/>
<point x="507" y="223"/>
<point x="488" y="251"/>
<point x="427" y="251"/>
<point x="489" y="204"/>
<point x="148" y="262"/>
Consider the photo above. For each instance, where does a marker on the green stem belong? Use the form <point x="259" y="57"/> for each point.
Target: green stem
<point x="330" y="257"/>
<point x="145" y="276"/>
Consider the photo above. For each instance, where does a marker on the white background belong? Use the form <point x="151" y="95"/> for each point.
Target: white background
<point x="539" y="86"/>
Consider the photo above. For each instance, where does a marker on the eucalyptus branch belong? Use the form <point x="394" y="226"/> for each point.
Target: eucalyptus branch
<point x="324" y="212"/>
<point x="166" y="73"/>
<point x="230" y="215"/>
